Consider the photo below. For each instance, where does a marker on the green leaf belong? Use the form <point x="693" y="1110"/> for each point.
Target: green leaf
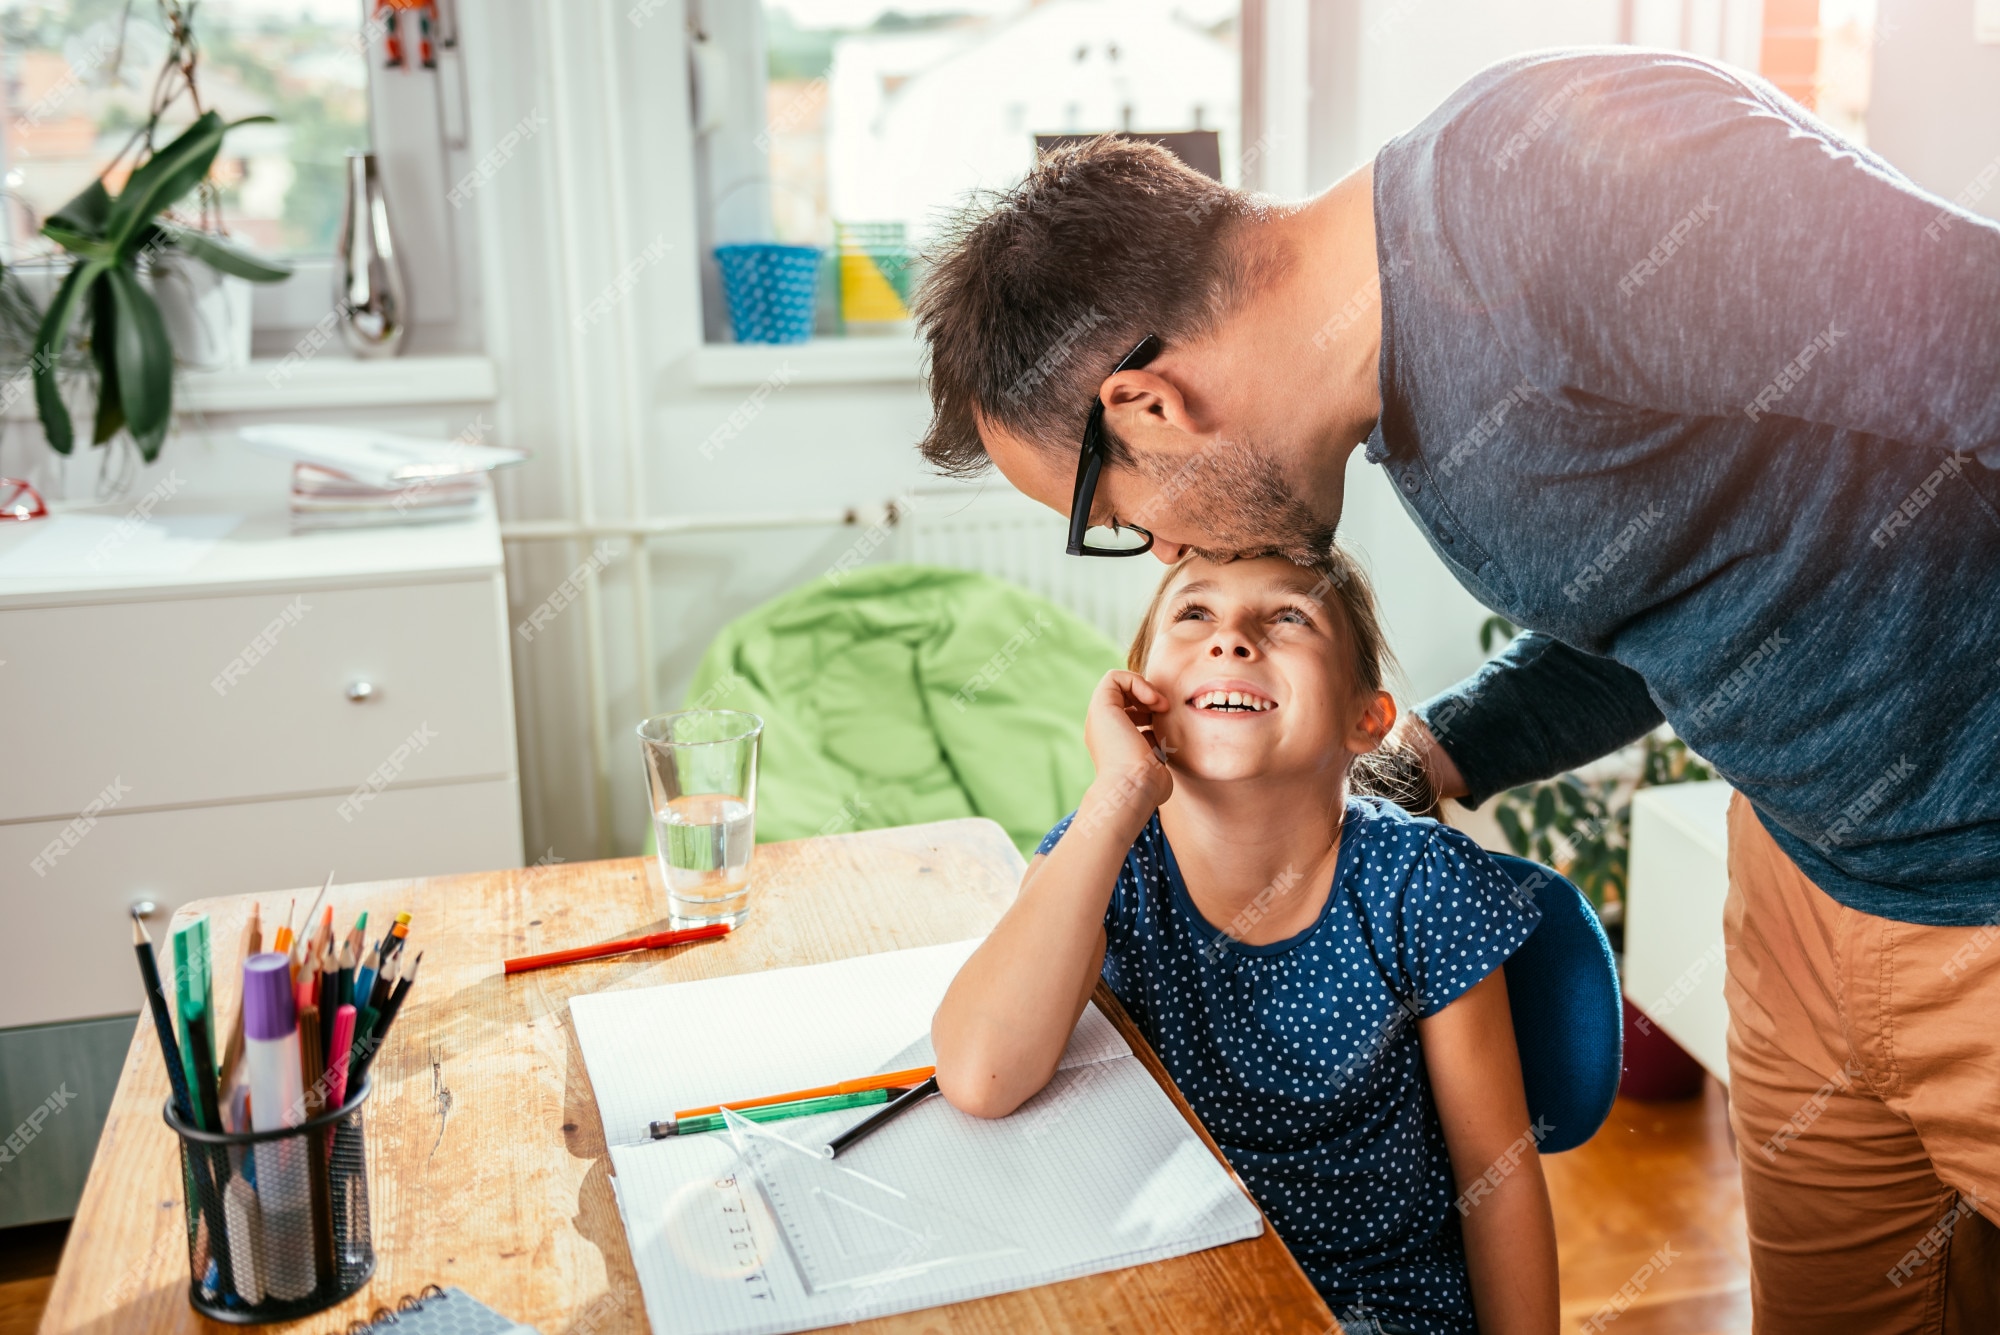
<point x="103" y="344"/>
<point x="164" y="179"/>
<point x="145" y="363"/>
<point x="1545" y="806"/>
<point x="1510" y="825"/>
<point x="224" y="255"/>
<point x="83" y="215"/>
<point x="49" y="338"/>
<point x="77" y="243"/>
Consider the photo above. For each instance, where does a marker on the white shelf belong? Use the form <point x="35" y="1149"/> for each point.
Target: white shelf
<point x="330" y="380"/>
<point x="861" y="360"/>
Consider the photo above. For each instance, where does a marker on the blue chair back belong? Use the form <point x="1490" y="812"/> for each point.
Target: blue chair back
<point x="1569" y="1021"/>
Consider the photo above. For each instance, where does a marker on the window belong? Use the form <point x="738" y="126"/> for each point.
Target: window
<point x="79" y="75"/>
<point x="878" y="118"/>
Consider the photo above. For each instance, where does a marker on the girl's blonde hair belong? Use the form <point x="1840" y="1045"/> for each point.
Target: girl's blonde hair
<point x="1342" y="588"/>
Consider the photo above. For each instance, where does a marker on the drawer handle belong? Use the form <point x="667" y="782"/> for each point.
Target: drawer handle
<point x="361" y="692"/>
<point x="144" y="908"/>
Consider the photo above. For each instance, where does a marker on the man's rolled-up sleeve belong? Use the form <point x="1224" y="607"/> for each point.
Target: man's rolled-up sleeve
<point x="1535" y="709"/>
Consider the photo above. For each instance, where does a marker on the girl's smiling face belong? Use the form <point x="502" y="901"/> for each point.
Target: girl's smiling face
<point x="1259" y="668"/>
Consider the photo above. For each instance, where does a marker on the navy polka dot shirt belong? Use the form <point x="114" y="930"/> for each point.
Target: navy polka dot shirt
<point x="1301" y="1056"/>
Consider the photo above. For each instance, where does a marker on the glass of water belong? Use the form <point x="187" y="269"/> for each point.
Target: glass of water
<point x="701" y="775"/>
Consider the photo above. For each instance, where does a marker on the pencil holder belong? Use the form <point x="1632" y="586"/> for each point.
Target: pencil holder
<point x="277" y="1221"/>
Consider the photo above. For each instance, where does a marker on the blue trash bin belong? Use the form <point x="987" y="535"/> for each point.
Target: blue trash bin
<point x="770" y="289"/>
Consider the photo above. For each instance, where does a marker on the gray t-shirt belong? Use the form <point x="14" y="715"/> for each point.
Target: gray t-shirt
<point x="1708" y="398"/>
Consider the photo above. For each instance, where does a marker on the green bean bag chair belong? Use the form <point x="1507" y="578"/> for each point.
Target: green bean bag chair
<point x="906" y="693"/>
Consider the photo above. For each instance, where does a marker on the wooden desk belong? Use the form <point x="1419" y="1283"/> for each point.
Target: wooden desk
<point x="487" y="1161"/>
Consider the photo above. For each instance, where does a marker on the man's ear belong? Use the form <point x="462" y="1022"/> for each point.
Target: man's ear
<point x="1374" y="724"/>
<point x="1138" y="403"/>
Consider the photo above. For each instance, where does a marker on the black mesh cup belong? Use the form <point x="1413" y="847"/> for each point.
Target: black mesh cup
<point x="277" y="1221"/>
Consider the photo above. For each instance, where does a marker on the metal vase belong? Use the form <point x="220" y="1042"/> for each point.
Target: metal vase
<point x="369" y="293"/>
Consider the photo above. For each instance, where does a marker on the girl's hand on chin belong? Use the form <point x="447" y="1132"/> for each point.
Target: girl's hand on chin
<point x="1123" y="703"/>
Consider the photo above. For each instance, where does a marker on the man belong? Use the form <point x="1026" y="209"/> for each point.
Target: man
<point x="1709" y="399"/>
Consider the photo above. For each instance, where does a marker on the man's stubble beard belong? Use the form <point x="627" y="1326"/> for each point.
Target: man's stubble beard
<point x="1235" y="495"/>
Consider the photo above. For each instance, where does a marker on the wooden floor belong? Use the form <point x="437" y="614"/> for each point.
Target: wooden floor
<point x="1658" y="1175"/>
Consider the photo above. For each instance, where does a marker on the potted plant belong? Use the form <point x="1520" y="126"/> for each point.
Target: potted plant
<point x="112" y="240"/>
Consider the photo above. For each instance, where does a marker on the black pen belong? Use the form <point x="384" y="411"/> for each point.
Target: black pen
<point x="874" y="1121"/>
<point x="163" y="1020"/>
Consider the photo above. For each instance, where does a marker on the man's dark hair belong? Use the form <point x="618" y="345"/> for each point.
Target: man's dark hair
<point x="1035" y="292"/>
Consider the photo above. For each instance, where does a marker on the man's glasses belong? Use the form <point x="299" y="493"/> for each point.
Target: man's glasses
<point x="18" y="500"/>
<point x="1108" y="539"/>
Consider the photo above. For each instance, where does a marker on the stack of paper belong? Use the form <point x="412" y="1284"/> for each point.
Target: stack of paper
<point x="322" y="498"/>
<point x="1097" y="1172"/>
<point x="349" y="477"/>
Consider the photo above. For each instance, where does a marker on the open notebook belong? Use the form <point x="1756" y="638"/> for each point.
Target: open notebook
<point x="1097" y="1172"/>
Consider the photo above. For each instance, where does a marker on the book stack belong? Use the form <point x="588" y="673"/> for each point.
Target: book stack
<point x="346" y="477"/>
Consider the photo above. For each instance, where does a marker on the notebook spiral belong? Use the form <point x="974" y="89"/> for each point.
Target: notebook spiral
<point x="435" y="1311"/>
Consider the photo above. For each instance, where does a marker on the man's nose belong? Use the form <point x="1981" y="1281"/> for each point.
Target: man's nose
<point x="1168" y="552"/>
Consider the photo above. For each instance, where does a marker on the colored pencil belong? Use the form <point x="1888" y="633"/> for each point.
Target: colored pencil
<point x="916" y="1075"/>
<point x="656" y="941"/>
<point x="163" y="1019"/>
<point x="774" y="1112"/>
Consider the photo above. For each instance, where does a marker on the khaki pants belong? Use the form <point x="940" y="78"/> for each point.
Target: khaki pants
<point x="1864" y="1067"/>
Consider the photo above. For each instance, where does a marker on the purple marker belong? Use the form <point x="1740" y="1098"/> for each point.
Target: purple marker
<point x="277" y="1100"/>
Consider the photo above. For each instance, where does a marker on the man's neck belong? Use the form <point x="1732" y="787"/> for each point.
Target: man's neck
<point x="1300" y="356"/>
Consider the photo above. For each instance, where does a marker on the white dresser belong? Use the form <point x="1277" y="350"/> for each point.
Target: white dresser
<point x="1674" y="961"/>
<point x="195" y="702"/>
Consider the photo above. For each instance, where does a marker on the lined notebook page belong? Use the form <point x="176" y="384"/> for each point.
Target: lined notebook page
<point x="1097" y="1172"/>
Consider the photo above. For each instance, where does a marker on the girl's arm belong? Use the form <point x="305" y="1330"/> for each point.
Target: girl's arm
<point x="1007" y="1017"/>
<point x="1510" y="1233"/>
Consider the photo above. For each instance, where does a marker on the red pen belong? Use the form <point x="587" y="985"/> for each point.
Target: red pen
<point x="343" y="1039"/>
<point x="653" y="942"/>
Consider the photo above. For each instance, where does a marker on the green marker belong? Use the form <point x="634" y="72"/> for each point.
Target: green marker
<point x="774" y="1112"/>
<point x="194" y="1001"/>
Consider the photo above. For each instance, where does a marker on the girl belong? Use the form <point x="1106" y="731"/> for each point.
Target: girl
<point x="1319" y="971"/>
